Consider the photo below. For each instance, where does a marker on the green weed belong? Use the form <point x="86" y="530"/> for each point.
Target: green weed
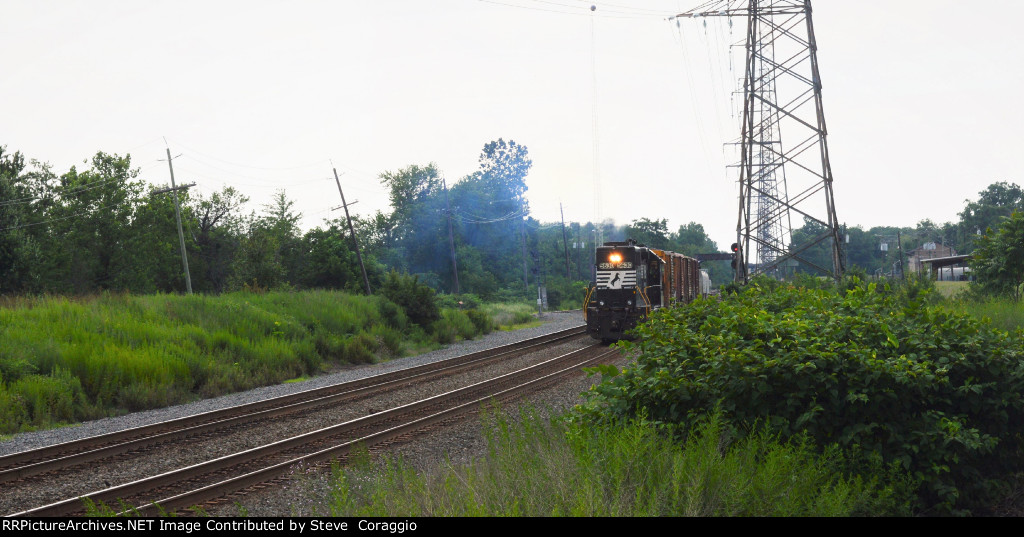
<point x="558" y="467"/>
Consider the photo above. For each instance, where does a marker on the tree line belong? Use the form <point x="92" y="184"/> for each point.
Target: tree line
<point x="103" y="228"/>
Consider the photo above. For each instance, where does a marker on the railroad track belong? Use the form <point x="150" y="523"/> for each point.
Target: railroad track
<point x="261" y="462"/>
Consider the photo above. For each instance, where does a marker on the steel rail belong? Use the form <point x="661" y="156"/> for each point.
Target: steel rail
<point x="113" y="494"/>
<point x="31" y="462"/>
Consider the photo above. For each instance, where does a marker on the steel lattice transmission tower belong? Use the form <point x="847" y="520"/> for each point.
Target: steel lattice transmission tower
<point x="784" y="164"/>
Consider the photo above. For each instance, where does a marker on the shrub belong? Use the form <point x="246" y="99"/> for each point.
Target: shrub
<point x="482" y="321"/>
<point x="868" y="369"/>
<point x="465" y="301"/>
<point x="392" y="314"/>
<point x="418" y="300"/>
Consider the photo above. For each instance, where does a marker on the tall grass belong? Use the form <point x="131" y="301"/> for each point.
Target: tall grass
<point x="1003" y="313"/>
<point x="511" y="314"/>
<point x="557" y="467"/>
<point x="65" y="360"/>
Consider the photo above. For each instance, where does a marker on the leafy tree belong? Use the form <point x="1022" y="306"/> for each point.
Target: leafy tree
<point x="503" y="168"/>
<point x="410" y="189"/>
<point x="282" y="223"/>
<point x="863" y="250"/>
<point x="998" y="200"/>
<point x="257" y="263"/>
<point x="219" y="231"/>
<point x="816" y="257"/>
<point x="89" y="224"/>
<point x="492" y="212"/>
<point x="12" y="218"/>
<point x="152" y="249"/>
<point x="691" y="239"/>
<point x="653" y="233"/>
<point x="998" y="261"/>
<point x="331" y="262"/>
<point x="416" y="226"/>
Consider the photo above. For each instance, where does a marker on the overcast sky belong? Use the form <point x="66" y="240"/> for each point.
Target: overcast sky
<point x="921" y="99"/>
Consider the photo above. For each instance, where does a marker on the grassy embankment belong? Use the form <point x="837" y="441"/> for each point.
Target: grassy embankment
<point x="67" y="360"/>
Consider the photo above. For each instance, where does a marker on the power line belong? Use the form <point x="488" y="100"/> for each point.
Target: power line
<point x="581" y="11"/>
<point x="83" y="213"/>
<point x="76" y="190"/>
<point x="265" y="168"/>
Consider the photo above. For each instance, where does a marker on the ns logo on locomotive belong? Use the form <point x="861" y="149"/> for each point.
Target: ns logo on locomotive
<point x="632" y="280"/>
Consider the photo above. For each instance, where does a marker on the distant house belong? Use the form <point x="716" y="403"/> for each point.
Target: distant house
<point x="928" y="250"/>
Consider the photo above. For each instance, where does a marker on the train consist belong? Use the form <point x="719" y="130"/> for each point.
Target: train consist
<point x="632" y="280"/>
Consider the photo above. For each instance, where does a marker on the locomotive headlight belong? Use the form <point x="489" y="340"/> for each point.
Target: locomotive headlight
<point x="600" y="302"/>
<point x="615" y="258"/>
<point x="629" y="302"/>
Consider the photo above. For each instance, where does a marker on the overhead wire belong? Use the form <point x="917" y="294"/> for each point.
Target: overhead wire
<point x="615" y="14"/>
<point x="250" y="166"/>
<point x="83" y="213"/>
<point x="77" y="190"/>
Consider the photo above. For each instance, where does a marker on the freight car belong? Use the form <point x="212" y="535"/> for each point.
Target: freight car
<point x="633" y="280"/>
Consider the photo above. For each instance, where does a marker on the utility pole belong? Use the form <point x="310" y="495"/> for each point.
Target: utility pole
<point x="451" y="237"/>
<point x="899" y="245"/>
<point x="522" y="235"/>
<point x="352" y="230"/>
<point x="177" y="217"/>
<point x="565" y="243"/>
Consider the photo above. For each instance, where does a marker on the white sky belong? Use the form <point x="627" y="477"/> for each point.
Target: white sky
<point x="921" y="98"/>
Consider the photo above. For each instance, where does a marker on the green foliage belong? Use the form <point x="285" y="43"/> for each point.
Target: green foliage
<point x="463" y="301"/>
<point x="555" y="467"/>
<point x="998" y="261"/>
<point x="66" y="360"/>
<point x="452" y="326"/>
<point x="482" y="321"/>
<point x="868" y="369"/>
<point x="510" y="314"/>
<point x="997" y="201"/>
<point x="1002" y="313"/>
<point x="418" y="300"/>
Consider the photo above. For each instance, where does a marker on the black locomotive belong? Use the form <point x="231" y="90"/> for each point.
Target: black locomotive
<point x="632" y="280"/>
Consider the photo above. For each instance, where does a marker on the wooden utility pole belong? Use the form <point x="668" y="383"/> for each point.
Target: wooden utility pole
<point x="565" y="243"/>
<point x="177" y="216"/>
<point x="451" y="237"/>
<point x="522" y="235"/>
<point x="352" y="230"/>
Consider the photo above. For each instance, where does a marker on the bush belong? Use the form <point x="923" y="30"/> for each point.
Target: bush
<point x="482" y="321"/>
<point x="465" y="301"/>
<point x="868" y="369"/>
<point x="418" y="300"/>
